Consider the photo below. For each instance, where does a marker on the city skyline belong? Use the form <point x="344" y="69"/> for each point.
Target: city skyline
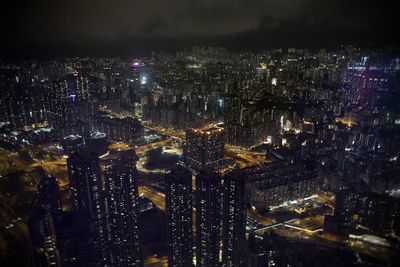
<point x="238" y="156"/>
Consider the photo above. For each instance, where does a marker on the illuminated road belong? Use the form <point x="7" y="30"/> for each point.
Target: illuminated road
<point x="141" y="150"/>
<point x="259" y="218"/>
<point x="180" y="135"/>
<point x="156" y="262"/>
<point x="310" y="224"/>
<point x="56" y="168"/>
<point x="11" y="161"/>
<point x="156" y="197"/>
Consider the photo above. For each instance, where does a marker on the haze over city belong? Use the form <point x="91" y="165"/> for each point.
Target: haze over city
<point x="132" y="28"/>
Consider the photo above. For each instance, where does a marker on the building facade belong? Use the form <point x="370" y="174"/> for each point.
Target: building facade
<point x="121" y="183"/>
<point x="179" y="217"/>
<point x="208" y="218"/>
<point x="88" y="196"/>
<point x="234" y="219"/>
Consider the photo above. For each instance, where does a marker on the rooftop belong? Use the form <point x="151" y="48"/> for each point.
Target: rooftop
<point x="209" y="129"/>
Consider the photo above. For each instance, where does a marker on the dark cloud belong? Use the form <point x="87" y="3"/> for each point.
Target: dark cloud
<point x="77" y="20"/>
<point x="40" y="23"/>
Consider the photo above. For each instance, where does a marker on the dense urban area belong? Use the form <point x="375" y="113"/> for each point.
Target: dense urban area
<point x="202" y="157"/>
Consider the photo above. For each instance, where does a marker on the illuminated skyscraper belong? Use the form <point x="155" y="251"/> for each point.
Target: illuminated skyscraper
<point x="234" y="219"/>
<point x="232" y="108"/>
<point x="179" y="215"/>
<point x="208" y="218"/>
<point x="88" y="195"/>
<point x="121" y="181"/>
<point x="204" y="147"/>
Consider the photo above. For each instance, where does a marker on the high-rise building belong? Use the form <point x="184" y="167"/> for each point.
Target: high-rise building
<point x="234" y="218"/>
<point x="48" y="194"/>
<point x="245" y="135"/>
<point x="232" y="108"/>
<point x="179" y="215"/>
<point x="345" y="208"/>
<point x="121" y="182"/>
<point x="43" y="238"/>
<point x="204" y="147"/>
<point x="208" y="218"/>
<point x="45" y="205"/>
<point x="88" y="195"/>
<point x="242" y="123"/>
<point x="97" y="141"/>
<point x="120" y="129"/>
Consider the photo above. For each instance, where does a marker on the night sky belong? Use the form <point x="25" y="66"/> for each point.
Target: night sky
<point x="129" y="27"/>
